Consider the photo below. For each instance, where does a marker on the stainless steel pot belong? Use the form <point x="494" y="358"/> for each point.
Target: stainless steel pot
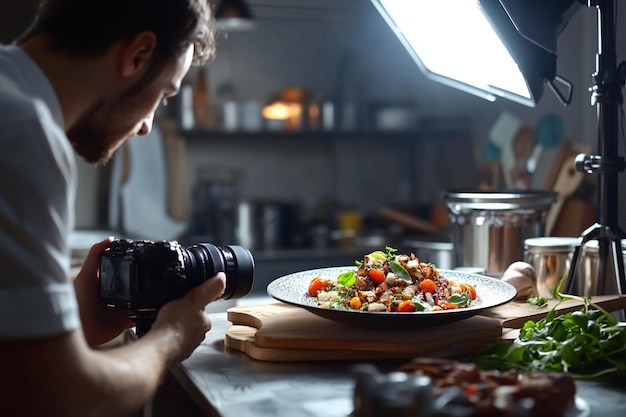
<point x="265" y="224"/>
<point x="439" y="253"/>
<point x="489" y="227"/>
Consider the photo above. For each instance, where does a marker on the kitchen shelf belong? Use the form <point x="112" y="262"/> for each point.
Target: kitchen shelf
<point x="201" y="135"/>
<point x="428" y="128"/>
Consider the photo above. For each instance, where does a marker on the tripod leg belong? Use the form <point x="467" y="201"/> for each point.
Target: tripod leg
<point x="572" y="286"/>
<point x="618" y="257"/>
<point x="618" y="266"/>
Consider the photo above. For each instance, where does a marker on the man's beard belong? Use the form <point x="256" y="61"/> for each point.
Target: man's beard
<point x="102" y="129"/>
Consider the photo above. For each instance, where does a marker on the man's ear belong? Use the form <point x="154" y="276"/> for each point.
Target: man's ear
<point x="137" y="54"/>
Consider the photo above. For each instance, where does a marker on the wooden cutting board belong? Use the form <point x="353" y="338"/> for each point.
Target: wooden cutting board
<point x="285" y="333"/>
<point x="515" y="314"/>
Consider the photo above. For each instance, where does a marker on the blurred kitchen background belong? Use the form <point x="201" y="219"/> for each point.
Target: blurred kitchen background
<point x="359" y="159"/>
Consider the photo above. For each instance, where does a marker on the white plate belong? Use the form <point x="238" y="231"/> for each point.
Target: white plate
<point x="293" y="288"/>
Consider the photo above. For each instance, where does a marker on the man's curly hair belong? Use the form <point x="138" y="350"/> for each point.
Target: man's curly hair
<point x="89" y="27"/>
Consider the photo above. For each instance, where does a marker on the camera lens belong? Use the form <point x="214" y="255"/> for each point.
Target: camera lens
<point x="203" y="260"/>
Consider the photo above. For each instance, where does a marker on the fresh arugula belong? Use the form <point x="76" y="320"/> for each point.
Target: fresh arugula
<point x="587" y="343"/>
<point x="537" y="300"/>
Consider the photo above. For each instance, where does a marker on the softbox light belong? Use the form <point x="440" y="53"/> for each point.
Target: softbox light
<point x="489" y="48"/>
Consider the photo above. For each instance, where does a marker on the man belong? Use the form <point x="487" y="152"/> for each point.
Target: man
<point x="87" y="75"/>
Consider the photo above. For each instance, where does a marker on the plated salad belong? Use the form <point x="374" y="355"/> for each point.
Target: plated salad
<point x="385" y="281"/>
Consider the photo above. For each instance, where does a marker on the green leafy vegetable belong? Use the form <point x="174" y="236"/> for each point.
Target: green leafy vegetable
<point x="419" y="304"/>
<point x="347" y="279"/>
<point x="390" y="252"/>
<point x="538" y="300"/>
<point x="586" y="343"/>
<point x="400" y="271"/>
<point x="460" y="300"/>
<point x="379" y="255"/>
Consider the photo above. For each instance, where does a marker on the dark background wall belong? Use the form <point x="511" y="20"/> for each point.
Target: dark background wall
<point x="15" y="15"/>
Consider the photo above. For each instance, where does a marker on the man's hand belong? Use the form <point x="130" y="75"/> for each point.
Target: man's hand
<point x="184" y="318"/>
<point x="100" y="323"/>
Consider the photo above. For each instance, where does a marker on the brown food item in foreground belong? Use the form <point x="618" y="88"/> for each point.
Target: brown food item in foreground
<point x="497" y="393"/>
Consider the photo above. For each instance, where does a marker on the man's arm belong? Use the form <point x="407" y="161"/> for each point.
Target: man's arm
<point x="63" y="376"/>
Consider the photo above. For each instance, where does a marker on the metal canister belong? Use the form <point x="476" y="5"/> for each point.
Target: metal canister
<point x="552" y="258"/>
<point x="489" y="227"/>
<point x="588" y="282"/>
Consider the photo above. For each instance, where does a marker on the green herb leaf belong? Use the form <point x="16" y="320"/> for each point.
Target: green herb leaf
<point x="400" y="271"/>
<point x="460" y="300"/>
<point x="419" y="304"/>
<point x="587" y="343"/>
<point x="539" y="301"/>
<point x="347" y="279"/>
<point x="378" y="255"/>
<point x="390" y="252"/>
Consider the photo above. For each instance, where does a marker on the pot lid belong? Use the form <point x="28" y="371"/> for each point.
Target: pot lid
<point x="499" y="200"/>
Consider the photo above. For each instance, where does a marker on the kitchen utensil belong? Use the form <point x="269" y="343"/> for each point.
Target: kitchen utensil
<point x="551" y="257"/>
<point x="292" y="289"/>
<point x="577" y="215"/>
<point x="492" y="175"/>
<point x="408" y="220"/>
<point x="550" y="165"/>
<point x="543" y="173"/>
<point x="548" y="134"/>
<point x="489" y="227"/>
<point x="502" y="133"/>
<point x="286" y="333"/>
<point x="523" y="143"/>
<point x="566" y="183"/>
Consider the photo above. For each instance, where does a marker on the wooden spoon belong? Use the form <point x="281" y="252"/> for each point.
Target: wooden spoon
<point x="566" y="183"/>
<point x="409" y="220"/>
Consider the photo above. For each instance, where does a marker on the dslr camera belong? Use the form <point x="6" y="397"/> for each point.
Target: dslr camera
<point x="143" y="275"/>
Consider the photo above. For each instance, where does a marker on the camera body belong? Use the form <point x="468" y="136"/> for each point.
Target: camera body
<point x="143" y="275"/>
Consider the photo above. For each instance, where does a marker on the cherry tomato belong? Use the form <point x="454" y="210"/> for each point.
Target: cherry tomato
<point x="377" y="275"/>
<point x="316" y="284"/>
<point x="355" y="303"/>
<point x="468" y="289"/>
<point x="428" y="285"/>
<point x="406" y="306"/>
<point x="471" y="389"/>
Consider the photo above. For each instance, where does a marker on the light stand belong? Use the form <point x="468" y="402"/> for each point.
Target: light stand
<point x="606" y="94"/>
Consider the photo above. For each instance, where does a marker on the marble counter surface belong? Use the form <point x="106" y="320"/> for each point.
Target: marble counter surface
<point x="230" y="384"/>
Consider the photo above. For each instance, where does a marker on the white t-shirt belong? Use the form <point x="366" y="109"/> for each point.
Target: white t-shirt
<point x="37" y="192"/>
